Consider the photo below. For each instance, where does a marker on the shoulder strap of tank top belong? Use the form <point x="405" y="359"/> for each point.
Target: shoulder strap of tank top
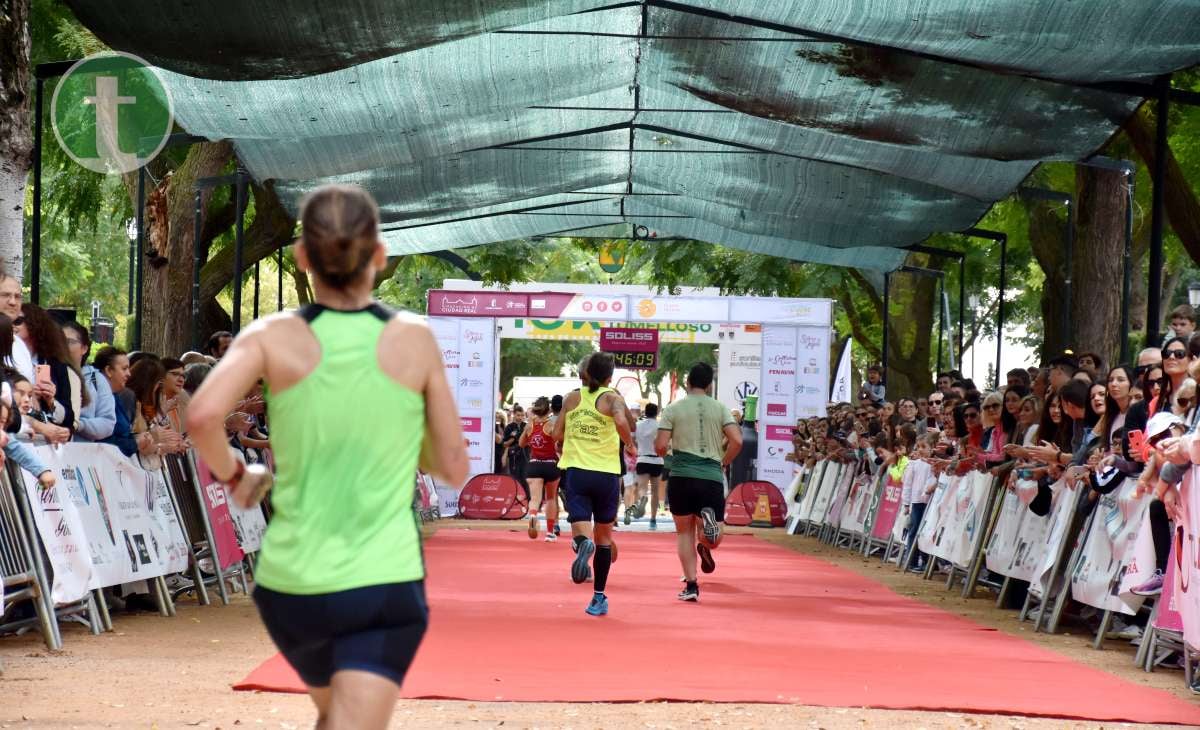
<point x="310" y="312"/>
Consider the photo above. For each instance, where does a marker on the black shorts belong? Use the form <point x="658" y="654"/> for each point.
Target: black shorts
<point x="592" y="495"/>
<point x="374" y="629"/>
<point x="654" y="470"/>
<point x="547" y="471"/>
<point x="688" y="495"/>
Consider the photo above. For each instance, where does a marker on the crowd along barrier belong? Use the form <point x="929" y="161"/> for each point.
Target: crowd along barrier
<point x="23" y="576"/>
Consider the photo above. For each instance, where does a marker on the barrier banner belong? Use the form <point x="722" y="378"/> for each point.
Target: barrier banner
<point x="1186" y="540"/>
<point x="1108" y="550"/>
<point x="930" y="532"/>
<point x="1142" y="560"/>
<point x="862" y="499"/>
<point x="834" y="516"/>
<point x="106" y="522"/>
<point x="1002" y="548"/>
<point x="824" y="474"/>
<point x="971" y="515"/>
<point x="889" y="507"/>
<point x="823" y="496"/>
<point x="218" y="507"/>
<point x="1167" y="616"/>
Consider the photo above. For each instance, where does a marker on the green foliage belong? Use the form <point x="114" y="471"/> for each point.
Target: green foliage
<point x="539" y="358"/>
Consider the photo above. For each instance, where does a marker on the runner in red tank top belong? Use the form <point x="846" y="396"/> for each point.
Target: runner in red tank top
<point x="542" y="470"/>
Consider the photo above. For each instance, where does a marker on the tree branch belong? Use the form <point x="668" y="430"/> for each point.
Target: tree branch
<point x="272" y="228"/>
<point x="857" y="327"/>
<point x="1179" y="199"/>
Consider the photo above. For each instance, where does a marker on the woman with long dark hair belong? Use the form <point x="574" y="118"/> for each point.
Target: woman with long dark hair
<point x="1117" y="402"/>
<point x="58" y="384"/>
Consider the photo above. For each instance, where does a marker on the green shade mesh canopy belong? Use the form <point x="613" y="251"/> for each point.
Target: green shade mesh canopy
<point x="836" y="132"/>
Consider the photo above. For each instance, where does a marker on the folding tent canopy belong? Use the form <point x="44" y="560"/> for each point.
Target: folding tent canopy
<point x="834" y="131"/>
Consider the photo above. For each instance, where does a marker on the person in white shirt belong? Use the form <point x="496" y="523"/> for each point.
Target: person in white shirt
<point x="918" y="484"/>
<point x="10" y="304"/>
<point x="649" y="464"/>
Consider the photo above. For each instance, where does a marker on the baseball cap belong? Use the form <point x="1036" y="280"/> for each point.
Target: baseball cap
<point x="1160" y="425"/>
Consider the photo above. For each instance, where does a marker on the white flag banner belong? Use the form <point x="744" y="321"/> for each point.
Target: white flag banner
<point x="841" y="391"/>
<point x="1186" y="578"/>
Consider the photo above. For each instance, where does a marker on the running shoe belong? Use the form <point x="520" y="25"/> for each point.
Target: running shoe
<point x="653" y="524"/>
<point x="579" y="568"/>
<point x="690" y="593"/>
<point x="628" y="515"/>
<point x="598" y="606"/>
<point x="707" y="564"/>
<point x="1152" y="587"/>
<point x="551" y="537"/>
<point x="533" y="528"/>
<point x="712" y="530"/>
<point x="556" y="530"/>
<point x="641" y="506"/>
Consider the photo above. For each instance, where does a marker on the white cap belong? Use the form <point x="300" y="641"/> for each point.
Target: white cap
<point x="1160" y="424"/>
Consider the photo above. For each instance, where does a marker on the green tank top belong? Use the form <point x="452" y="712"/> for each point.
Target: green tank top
<point x="346" y="441"/>
<point x="590" y="439"/>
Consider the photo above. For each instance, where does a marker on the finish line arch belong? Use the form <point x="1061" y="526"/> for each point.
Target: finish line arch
<point x="469" y="319"/>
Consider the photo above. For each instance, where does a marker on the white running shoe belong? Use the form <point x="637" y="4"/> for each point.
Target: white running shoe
<point x="551" y="537"/>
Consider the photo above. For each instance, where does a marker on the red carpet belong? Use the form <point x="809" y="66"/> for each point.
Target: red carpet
<point x="773" y="626"/>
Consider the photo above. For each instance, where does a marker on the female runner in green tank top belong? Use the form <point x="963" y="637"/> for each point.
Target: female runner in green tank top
<point x="340" y="577"/>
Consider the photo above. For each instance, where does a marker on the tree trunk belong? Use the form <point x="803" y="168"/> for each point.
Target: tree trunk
<point x="1098" y="262"/>
<point x="1046" y="234"/>
<point x="16" y="139"/>
<point x="1179" y="199"/>
<point x="910" y="338"/>
<point x="167" y="297"/>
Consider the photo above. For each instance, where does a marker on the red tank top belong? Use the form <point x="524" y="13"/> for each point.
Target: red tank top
<point x="541" y="446"/>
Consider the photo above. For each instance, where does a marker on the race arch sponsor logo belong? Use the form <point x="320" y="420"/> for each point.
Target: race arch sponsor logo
<point x="473" y="337"/>
<point x="779" y="433"/>
<point x="811" y="342"/>
<point x="745" y="389"/>
<point x="646" y="308"/>
<point x="773" y="371"/>
<point x="471" y="424"/>
<point x="781" y="359"/>
<point x="470" y="383"/>
<point x="474" y="403"/>
<point x="777" y="409"/>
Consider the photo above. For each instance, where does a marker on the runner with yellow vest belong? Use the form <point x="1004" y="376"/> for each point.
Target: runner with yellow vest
<point x="340" y="580"/>
<point x="594" y="424"/>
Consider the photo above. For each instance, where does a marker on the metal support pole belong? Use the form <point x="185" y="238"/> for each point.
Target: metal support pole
<point x="1127" y="267"/>
<point x="256" y="289"/>
<point x="238" y="242"/>
<point x="197" y="256"/>
<point x="941" y="319"/>
<point x="279" y="271"/>
<point x="887" y="277"/>
<point x="1068" y="321"/>
<point x="35" y="254"/>
<point x="1158" y="175"/>
<point x="962" y="305"/>
<point x="132" y="269"/>
<point x="141" y="252"/>
<point x="1000" y="306"/>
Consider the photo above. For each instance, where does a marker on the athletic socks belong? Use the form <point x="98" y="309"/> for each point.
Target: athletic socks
<point x="600" y="564"/>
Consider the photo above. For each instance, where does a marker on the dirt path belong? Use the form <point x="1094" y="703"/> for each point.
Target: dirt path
<point x="175" y="673"/>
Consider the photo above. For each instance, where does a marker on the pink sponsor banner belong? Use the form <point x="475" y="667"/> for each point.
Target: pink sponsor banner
<point x="471" y="425"/>
<point x="779" y="410"/>
<point x="779" y="433"/>
<point x="1168" y="616"/>
<point x="889" y="507"/>
<point x="215" y="504"/>
<point x="625" y="339"/>
<point x="448" y="303"/>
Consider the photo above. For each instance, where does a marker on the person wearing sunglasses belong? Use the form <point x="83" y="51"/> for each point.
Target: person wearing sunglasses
<point x="933" y="415"/>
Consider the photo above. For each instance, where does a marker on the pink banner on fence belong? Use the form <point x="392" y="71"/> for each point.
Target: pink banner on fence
<point x="215" y="504"/>
<point x="1168" y="616"/>
<point x="1185" y="557"/>
<point x="889" y="507"/>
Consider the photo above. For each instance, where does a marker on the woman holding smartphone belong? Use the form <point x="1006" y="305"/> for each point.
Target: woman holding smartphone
<point x="358" y="400"/>
<point x="58" y="384"/>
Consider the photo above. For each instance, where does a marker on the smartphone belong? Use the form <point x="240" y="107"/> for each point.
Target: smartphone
<point x="42" y="375"/>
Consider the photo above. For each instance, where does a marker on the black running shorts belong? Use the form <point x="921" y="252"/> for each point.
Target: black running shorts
<point x="374" y="629"/>
<point x="547" y="471"/>
<point x="688" y="495"/>
<point x="654" y="470"/>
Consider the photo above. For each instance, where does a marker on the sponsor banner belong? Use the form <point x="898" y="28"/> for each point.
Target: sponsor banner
<point x="628" y="339"/>
<point x="578" y="306"/>
<point x="680" y="309"/>
<point x="1168" y="617"/>
<point x="964" y="515"/>
<point x="1108" y="550"/>
<point x="1142" y="560"/>
<point x="106" y="522"/>
<point x="889" y="508"/>
<point x="816" y="312"/>
<point x="1186" y="541"/>
<point x="522" y="328"/>
<point x="931" y="533"/>
<point x="858" y="503"/>
<point x="469" y="350"/>
<point x="825" y="495"/>
<point x="443" y="303"/>
<point x="1002" y="547"/>
<point x="823" y="480"/>
<point x="220" y="516"/>
<point x="834" y="515"/>
<point x="739" y="367"/>
<point x="812" y="371"/>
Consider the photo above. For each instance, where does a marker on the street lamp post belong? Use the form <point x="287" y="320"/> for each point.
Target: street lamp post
<point x="1194" y="294"/>
<point x="131" y="231"/>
